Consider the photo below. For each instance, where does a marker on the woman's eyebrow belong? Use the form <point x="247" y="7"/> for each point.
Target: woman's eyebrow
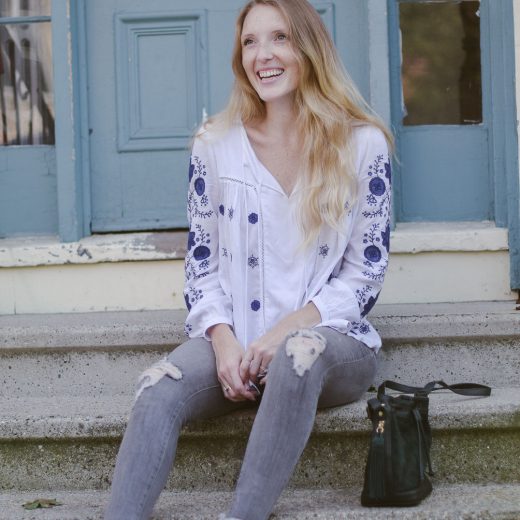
<point x="274" y="31"/>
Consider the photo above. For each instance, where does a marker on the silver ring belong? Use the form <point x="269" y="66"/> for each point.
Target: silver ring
<point x="227" y="389"/>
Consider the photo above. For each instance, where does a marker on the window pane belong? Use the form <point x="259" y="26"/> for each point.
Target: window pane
<point x="441" y="74"/>
<point x="26" y="89"/>
<point x="25" y="8"/>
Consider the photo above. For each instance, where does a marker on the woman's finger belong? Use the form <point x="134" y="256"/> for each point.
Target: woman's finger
<point x="254" y="368"/>
<point x="230" y="393"/>
<point x="241" y="389"/>
<point x="244" y="365"/>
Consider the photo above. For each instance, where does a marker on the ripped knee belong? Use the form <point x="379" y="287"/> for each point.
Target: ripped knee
<point x="304" y="346"/>
<point x="155" y="373"/>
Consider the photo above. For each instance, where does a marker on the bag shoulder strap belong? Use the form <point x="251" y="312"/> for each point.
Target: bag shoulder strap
<point x="468" y="389"/>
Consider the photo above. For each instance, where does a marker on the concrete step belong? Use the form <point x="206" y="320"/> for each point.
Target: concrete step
<point x="71" y="443"/>
<point x="447" y="502"/>
<point x="67" y="389"/>
<point x="98" y="354"/>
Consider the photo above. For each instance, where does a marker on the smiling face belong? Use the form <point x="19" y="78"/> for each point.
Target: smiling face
<point x="268" y="57"/>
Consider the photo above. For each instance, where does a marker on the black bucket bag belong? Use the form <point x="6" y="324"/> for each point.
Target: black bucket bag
<point x="398" y="463"/>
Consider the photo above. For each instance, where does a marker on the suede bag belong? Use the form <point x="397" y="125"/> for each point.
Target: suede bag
<point x="398" y="463"/>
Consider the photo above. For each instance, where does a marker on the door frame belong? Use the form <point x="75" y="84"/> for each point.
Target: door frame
<point x="71" y="115"/>
<point x="498" y="62"/>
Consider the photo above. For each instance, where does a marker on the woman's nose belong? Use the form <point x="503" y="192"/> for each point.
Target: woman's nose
<point x="265" y="51"/>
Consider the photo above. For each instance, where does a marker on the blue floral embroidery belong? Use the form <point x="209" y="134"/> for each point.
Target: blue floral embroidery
<point x="191" y="240"/>
<point x="231" y="212"/>
<point x="192" y="296"/>
<point x="252" y="261"/>
<point x="388" y="171"/>
<point x="379" y="196"/>
<point x="365" y="299"/>
<point x="324" y="250"/>
<point x="385" y="236"/>
<point x="201" y="253"/>
<point x="196" y="196"/>
<point x="372" y="252"/>
<point x="363" y="293"/>
<point x="200" y="186"/>
<point x="197" y="262"/>
<point x="255" y="305"/>
<point x="364" y="328"/>
<point x="224" y="252"/>
<point x="369" y="304"/>
<point x="361" y="327"/>
<point x="187" y="329"/>
<point x="379" y="275"/>
<point x="376" y="186"/>
<point x="253" y="218"/>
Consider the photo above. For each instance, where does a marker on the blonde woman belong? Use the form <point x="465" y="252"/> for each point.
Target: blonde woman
<point x="289" y="207"/>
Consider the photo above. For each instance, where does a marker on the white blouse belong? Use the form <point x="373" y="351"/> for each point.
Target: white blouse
<point x="244" y="266"/>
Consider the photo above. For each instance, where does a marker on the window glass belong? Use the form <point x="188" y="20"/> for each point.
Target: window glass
<point x="26" y="85"/>
<point x="441" y="74"/>
<point x="14" y="8"/>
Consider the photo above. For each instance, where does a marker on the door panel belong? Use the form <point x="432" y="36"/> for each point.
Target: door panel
<point x="444" y="170"/>
<point x="444" y="174"/>
<point x="152" y="75"/>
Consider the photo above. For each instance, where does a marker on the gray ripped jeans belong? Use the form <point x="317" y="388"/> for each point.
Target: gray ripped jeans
<point x="297" y="385"/>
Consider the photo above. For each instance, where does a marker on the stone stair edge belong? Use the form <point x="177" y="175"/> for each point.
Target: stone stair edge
<point x="161" y="328"/>
<point x="447" y="502"/>
<point x="70" y="418"/>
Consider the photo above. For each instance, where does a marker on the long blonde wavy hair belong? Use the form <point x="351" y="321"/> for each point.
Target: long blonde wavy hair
<point x="328" y="105"/>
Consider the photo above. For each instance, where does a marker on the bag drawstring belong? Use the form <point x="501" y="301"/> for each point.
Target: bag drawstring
<point x="422" y="437"/>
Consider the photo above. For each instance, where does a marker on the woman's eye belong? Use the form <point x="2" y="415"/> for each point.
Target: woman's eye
<point x="247" y="41"/>
<point x="281" y="37"/>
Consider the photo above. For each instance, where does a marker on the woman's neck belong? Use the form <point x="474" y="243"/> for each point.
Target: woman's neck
<point x="279" y="121"/>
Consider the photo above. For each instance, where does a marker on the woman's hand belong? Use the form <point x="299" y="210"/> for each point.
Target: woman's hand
<point x="261" y="351"/>
<point x="228" y="355"/>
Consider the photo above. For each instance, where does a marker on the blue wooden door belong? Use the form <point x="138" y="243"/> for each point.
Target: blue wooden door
<point x="441" y="110"/>
<point x="154" y="70"/>
<point x="27" y="153"/>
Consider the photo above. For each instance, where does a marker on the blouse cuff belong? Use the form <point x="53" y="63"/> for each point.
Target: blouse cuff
<point x="334" y="304"/>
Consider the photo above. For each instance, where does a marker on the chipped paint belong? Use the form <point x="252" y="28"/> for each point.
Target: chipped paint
<point x="155" y="373"/>
<point x="304" y="346"/>
<point x="128" y="247"/>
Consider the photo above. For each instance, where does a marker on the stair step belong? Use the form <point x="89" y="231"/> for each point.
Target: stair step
<point x="68" y="381"/>
<point x="98" y="354"/>
<point x="447" y="502"/>
<point x="71" y="443"/>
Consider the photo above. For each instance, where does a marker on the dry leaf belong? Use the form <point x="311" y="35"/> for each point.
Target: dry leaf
<point x="42" y="503"/>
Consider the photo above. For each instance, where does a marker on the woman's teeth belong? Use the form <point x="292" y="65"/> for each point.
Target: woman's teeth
<point x="270" y="73"/>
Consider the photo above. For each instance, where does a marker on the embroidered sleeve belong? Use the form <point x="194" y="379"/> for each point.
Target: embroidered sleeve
<point x="353" y="291"/>
<point x="205" y="299"/>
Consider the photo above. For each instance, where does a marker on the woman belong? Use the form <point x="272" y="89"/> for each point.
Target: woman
<point x="288" y="245"/>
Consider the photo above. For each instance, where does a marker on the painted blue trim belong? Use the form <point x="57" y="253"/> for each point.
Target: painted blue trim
<point x="68" y="116"/>
<point x="396" y="101"/>
<point x="23" y="20"/>
<point x="505" y="134"/>
<point x="83" y="123"/>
